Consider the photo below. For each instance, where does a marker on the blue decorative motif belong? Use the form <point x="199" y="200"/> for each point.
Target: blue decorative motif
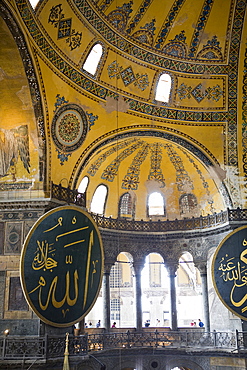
<point x="62" y="156"/>
<point x="168" y="23"/>
<point x="138" y="16"/>
<point x="214" y="42"/>
<point x="150" y="26"/>
<point x="60" y="101"/>
<point x="64" y="27"/>
<point x="120" y="16"/>
<point x="111" y="171"/>
<point x="128" y="76"/>
<point x="105" y="4"/>
<point x="91" y="119"/>
<point x="155" y="172"/>
<point x="199" y="93"/>
<point x="131" y="179"/>
<point x="211" y="50"/>
<point x="180" y="37"/>
<point x="177" y="46"/>
<point x="199" y="27"/>
<point x="146" y="33"/>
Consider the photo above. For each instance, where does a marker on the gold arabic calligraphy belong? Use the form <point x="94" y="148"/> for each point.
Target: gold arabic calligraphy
<point x="43" y="259"/>
<point x="236" y="273"/>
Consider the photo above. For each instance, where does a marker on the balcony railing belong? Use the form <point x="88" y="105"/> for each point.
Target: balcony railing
<point x="203" y="222"/>
<point x="51" y="347"/>
<point x="68" y="195"/>
<point x="230" y="215"/>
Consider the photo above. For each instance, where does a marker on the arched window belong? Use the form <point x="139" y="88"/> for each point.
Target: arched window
<point x="187" y="203"/>
<point x="98" y="200"/>
<point x="156" y="204"/>
<point x="115" y="309"/>
<point x="163" y="88"/>
<point x="93" y="58"/>
<point x="116" y="275"/>
<point x="34" y="3"/>
<point x="83" y="185"/>
<point x="126" y="206"/>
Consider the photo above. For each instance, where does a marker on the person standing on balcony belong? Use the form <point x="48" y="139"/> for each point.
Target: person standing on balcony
<point x="200" y="323"/>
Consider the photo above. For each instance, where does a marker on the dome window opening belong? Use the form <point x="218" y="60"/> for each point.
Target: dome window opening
<point x="163" y="88"/>
<point x="93" y="59"/>
<point x="156" y="206"/>
<point x="99" y="199"/>
<point x="33" y="3"/>
<point x="83" y="185"/>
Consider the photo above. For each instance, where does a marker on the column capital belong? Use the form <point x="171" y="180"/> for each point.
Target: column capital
<point x="107" y="267"/>
<point x="202" y="267"/>
<point x="171" y="268"/>
<point x="138" y="266"/>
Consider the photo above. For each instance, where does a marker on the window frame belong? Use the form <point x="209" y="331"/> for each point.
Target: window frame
<point x="164" y="205"/>
<point x="156" y="87"/>
<point x="99" y="64"/>
<point x="102" y="214"/>
<point x="130" y="206"/>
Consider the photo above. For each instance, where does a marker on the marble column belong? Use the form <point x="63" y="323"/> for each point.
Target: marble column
<point x="172" y="268"/>
<point x="202" y="267"/>
<point x="138" y="266"/>
<point x="106" y="297"/>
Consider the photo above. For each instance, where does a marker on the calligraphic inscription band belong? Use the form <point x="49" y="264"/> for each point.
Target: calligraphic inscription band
<point x="62" y="265"/>
<point x="229" y="271"/>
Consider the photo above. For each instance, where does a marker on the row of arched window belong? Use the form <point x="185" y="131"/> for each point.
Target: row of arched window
<point x="92" y="63"/>
<point x="127" y="202"/>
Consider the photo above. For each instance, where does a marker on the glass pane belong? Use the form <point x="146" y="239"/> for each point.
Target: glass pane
<point x="155" y="204"/>
<point x="98" y="201"/>
<point x="93" y="59"/>
<point x="163" y="88"/>
<point x="83" y="185"/>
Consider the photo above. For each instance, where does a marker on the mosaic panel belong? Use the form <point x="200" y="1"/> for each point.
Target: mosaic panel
<point x="168" y="23"/>
<point x="101" y="92"/>
<point x="233" y="84"/>
<point x="183" y="179"/>
<point x="127" y="75"/>
<point x="206" y="9"/>
<point x="138" y="16"/>
<point x="155" y="167"/>
<point x="131" y="179"/>
<point x="14" y="145"/>
<point x="64" y="27"/>
<point x="204" y="182"/>
<point x="177" y="47"/>
<point x="96" y="164"/>
<point x="120" y="16"/>
<point x="124" y="45"/>
<point x="111" y="171"/>
<point x="211" y="50"/>
<point x="146" y="33"/>
<point x="199" y="92"/>
<point x="69" y="127"/>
